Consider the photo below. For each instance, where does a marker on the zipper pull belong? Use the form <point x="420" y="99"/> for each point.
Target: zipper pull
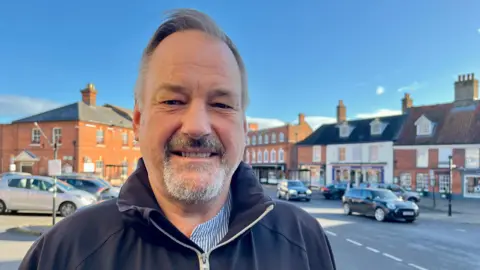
<point x="205" y="265"/>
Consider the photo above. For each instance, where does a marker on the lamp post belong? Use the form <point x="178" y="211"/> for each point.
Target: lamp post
<point x="55" y="153"/>
<point x="450" y="189"/>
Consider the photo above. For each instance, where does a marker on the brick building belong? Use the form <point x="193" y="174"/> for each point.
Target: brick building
<point x="88" y="135"/>
<point x="432" y="133"/>
<point x="355" y="151"/>
<point x="272" y="152"/>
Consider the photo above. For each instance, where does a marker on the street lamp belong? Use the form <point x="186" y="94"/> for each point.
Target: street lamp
<point x="55" y="153"/>
<point x="451" y="166"/>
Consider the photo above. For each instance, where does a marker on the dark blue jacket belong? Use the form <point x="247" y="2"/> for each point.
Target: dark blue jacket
<point x="119" y="234"/>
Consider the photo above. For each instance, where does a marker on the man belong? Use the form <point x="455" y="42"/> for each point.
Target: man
<point x="191" y="203"/>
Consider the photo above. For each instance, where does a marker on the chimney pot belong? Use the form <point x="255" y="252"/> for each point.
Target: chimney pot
<point x="341" y="112"/>
<point x="301" y="118"/>
<point x="89" y="95"/>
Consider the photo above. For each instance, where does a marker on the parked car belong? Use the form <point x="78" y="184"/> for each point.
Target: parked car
<point x="293" y="190"/>
<point x="400" y="192"/>
<point x="334" y="191"/>
<point x="382" y="204"/>
<point x="34" y="193"/>
<point x="94" y="185"/>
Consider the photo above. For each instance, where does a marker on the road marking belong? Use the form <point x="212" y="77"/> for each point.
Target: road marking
<point x="417" y="267"/>
<point x="392" y="257"/>
<point x="372" y="249"/>
<point x="331" y="233"/>
<point x="354" y="242"/>
<point x="460" y="230"/>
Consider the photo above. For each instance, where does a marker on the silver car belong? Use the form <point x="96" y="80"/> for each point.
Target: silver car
<point x="34" y="193"/>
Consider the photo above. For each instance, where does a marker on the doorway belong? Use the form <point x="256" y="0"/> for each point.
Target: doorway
<point x="26" y="169"/>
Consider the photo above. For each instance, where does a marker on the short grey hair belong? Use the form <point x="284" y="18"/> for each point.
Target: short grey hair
<point x="183" y="20"/>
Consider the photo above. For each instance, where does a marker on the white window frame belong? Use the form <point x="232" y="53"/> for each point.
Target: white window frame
<point x="125" y="138"/>
<point x="273" y="156"/>
<point x="422" y="153"/>
<point x="373" y="153"/>
<point x="344" y="131"/>
<point x="376" y="128"/>
<point x="56" y="135"/>
<point x="259" y="156"/>
<point x="317" y="153"/>
<point x="339" y="152"/>
<point x="406" y="180"/>
<point x="265" y="139"/>
<point x="247" y="156"/>
<point x="472" y="156"/>
<point x="356" y="153"/>
<point x="443" y="183"/>
<point x="254" y="157"/>
<point x="422" y="181"/>
<point x="424" y="126"/>
<point x="254" y="140"/>
<point x="281" y="155"/>
<point x="248" y="140"/>
<point x="260" y="139"/>
<point x="443" y="154"/>
<point x="36" y="130"/>
<point x="100" y="139"/>
<point x="274" y="138"/>
<point x="281" y="137"/>
<point x="265" y="156"/>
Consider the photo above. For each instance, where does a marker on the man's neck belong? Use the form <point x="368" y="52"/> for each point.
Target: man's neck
<point x="186" y="217"/>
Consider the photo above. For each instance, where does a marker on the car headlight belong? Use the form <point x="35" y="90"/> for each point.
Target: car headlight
<point x="391" y="206"/>
<point x="291" y="191"/>
<point x="415" y="206"/>
<point x="309" y="191"/>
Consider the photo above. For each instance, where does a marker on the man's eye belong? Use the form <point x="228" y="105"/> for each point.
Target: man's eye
<point x="174" y="102"/>
<point x="221" y="106"/>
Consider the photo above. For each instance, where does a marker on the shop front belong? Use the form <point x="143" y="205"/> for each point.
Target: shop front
<point x="314" y="174"/>
<point x="269" y="173"/>
<point x="357" y="174"/>
<point x="471" y="184"/>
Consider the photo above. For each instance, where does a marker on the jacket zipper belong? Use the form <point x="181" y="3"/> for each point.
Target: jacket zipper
<point x="204" y="258"/>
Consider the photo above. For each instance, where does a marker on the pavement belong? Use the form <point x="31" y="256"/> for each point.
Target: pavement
<point x="433" y="242"/>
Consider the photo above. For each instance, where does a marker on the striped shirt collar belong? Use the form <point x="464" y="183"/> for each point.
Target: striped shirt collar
<point x="207" y="235"/>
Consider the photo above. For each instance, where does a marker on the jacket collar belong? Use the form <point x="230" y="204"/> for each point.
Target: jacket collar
<point x="138" y="205"/>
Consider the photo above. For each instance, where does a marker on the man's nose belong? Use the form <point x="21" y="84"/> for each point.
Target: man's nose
<point x="196" y="121"/>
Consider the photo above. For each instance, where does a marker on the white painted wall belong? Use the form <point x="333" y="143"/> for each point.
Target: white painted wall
<point x="385" y="154"/>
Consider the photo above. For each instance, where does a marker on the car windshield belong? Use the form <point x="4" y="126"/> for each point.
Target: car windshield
<point x="295" y="184"/>
<point x="384" y="195"/>
<point x="65" y="185"/>
<point x="103" y="182"/>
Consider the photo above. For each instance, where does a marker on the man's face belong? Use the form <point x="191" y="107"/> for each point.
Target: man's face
<point x="192" y="127"/>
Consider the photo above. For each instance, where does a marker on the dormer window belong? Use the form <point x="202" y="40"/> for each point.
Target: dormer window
<point x="424" y="126"/>
<point x="376" y="127"/>
<point x="344" y="130"/>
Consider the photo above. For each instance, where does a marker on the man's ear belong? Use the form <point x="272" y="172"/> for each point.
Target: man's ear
<point x="137" y="119"/>
<point x="245" y="125"/>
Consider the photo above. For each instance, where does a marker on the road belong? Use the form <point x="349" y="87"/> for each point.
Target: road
<point x="364" y="243"/>
<point x="358" y="243"/>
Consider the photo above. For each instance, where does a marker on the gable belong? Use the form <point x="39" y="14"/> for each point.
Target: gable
<point x="422" y="120"/>
<point x="26" y="155"/>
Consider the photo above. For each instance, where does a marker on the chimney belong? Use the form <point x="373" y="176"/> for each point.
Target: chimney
<point x="301" y="118"/>
<point x="466" y="88"/>
<point x="252" y="126"/>
<point x="341" y="112"/>
<point x="89" y="95"/>
<point x="407" y="102"/>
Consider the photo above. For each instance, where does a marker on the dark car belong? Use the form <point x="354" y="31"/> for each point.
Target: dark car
<point x="293" y="190"/>
<point x="379" y="203"/>
<point x="91" y="184"/>
<point x="334" y="191"/>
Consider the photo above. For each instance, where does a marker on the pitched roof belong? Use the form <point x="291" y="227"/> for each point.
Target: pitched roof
<point x="452" y="125"/>
<point x="80" y="111"/>
<point x="361" y="133"/>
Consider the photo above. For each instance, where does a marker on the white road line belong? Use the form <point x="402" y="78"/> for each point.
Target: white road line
<point x="417" y="267"/>
<point x="354" y="242"/>
<point x="373" y="250"/>
<point x="331" y="233"/>
<point x="392" y="257"/>
<point x="460" y="230"/>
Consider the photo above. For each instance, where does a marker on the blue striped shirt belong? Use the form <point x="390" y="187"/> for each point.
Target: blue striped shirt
<point x="207" y="235"/>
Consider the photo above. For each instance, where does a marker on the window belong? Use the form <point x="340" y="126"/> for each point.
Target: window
<point x="376" y="128"/>
<point x="100" y="137"/>
<point x="443" y="183"/>
<point x="373" y="151"/>
<point x="443" y="157"/>
<point x="99" y="167"/>
<point x="254" y="159"/>
<point x="344" y="131"/>
<point x="281" y="157"/>
<point x="274" y="137"/>
<point x="40" y="185"/>
<point x="260" y="139"/>
<point x="341" y="153"/>
<point x="422" y="158"/>
<point x="57" y="135"/>
<point x="472" y="186"/>
<point x="406" y="180"/>
<point x="247" y="156"/>
<point x="357" y="153"/>
<point x="124" y="169"/>
<point x="135" y="163"/>
<point x="125" y="138"/>
<point x="472" y="158"/>
<point x="422" y="181"/>
<point x="36" y="136"/>
<point x="18" y="183"/>
<point x="317" y="153"/>
<point x="248" y="140"/>
<point x="265" y="156"/>
<point x="273" y="156"/>
<point x="265" y="139"/>
<point x="281" y="137"/>
<point x="254" y="140"/>
<point x="259" y="156"/>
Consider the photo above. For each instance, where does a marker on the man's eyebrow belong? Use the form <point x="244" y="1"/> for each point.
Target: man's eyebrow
<point x="169" y="87"/>
<point x="220" y="92"/>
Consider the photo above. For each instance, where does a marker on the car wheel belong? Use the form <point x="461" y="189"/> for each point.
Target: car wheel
<point x="326" y="197"/>
<point x="346" y="209"/>
<point x="409" y="220"/>
<point x="67" y="208"/>
<point x="287" y="197"/>
<point x="279" y="195"/>
<point x="3" y="207"/>
<point x="379" y="214"/>
<point x="412" y="199"/>
<point x="307" y="200"/>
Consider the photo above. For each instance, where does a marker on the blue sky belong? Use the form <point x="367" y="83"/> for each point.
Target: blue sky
<point x="301" y="56"/>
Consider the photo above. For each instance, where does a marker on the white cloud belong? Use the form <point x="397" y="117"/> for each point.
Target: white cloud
<point x="314" y="121"/>
<point x="478" y="30"/>
<point x="20" y="106"/>
<point x="380" y="90"/>
<point x="265" y="122"/>
<point x="412" y="87"/>
<point x="379" y="113"/>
